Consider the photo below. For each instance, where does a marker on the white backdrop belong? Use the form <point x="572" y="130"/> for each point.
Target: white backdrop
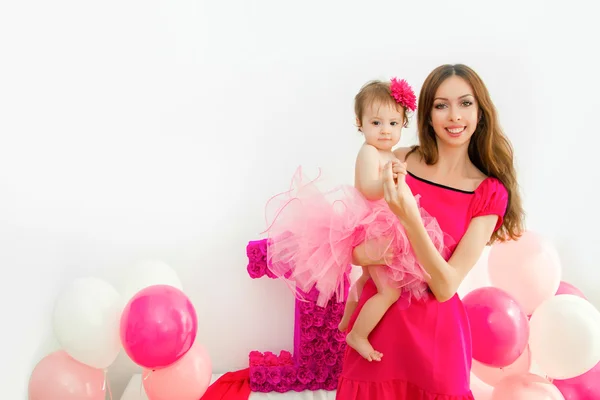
<point x="158" y="129"/>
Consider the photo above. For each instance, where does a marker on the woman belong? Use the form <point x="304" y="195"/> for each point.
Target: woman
<point x="463" y="172"/>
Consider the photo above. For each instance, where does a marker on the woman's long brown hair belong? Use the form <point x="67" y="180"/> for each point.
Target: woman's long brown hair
<point x="489" y="149"/>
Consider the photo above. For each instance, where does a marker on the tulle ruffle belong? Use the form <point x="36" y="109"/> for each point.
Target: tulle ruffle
<point x="312" y="234"/>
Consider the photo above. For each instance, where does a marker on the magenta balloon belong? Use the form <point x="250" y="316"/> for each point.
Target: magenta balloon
<point x="158" y="326"/>
<point x="567" y="288"/>
<point x="499" y="327"/>
<point x="582" y="387"/>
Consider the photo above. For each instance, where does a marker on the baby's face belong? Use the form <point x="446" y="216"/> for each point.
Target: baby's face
<point x="382" y="125"/>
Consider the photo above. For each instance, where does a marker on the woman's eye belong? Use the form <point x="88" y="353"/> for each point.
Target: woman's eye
<point x="467" y="103"/>
<point x="439" y="106"/>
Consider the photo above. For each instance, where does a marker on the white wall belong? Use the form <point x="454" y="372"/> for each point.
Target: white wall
<point x="135" y="129"/>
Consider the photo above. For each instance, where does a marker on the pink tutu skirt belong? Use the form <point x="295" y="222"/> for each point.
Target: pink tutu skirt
<point x="312" y="234"/>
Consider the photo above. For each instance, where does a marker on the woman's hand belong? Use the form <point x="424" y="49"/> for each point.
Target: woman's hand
<point x="397" y="194"/>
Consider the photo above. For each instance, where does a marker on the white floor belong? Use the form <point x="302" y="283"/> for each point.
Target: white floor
<point x="135" y="391"/>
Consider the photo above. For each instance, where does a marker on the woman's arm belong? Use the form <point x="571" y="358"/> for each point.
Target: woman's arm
<point x="445" y="277"/>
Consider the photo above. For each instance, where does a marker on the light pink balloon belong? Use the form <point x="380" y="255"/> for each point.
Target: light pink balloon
<point x="60" y="377"/>
<point x="480" y="390"/>
<point x="526" y="387"/>
<point x="186" y="379"/>
<point x="567" y="288"/>
<point x="529" y="269"/>
<point x="493" y="375"/>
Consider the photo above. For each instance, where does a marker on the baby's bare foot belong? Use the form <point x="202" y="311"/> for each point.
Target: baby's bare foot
<point x="343" y="325"/>
<point x="363" y="347"/>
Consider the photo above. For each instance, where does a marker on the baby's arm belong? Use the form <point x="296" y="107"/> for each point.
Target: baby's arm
<point x="368" y="178"/>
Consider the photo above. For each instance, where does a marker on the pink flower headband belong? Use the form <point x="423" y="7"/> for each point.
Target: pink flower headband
<point x="403" y="93"/>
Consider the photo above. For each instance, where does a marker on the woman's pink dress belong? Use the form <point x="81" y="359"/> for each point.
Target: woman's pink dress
<point x="427" y="346"/>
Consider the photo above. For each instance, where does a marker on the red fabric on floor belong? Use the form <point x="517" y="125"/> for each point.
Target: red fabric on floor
<point x="231" y="386"/>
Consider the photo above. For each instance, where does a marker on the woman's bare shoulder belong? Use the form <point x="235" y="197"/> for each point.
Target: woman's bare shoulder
<point x="402" y="152"/>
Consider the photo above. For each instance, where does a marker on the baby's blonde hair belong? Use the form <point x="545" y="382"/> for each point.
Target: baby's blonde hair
<point x="376" y="92"/>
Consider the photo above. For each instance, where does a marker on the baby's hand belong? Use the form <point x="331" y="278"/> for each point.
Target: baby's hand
<point x="398" y="168"/>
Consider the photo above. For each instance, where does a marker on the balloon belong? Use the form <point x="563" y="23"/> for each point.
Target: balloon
<point x="565" y="336"/>
<point x="187" y="379"/>
<point x="492" y="375"/>
<point x="499" y="327"/>
<point x="158" y="326"/>
<point x="60" y="377"/>
<point x="528" y="269"/>
<point x="480" y="390"/>
<point x="567" y="288"/>
<point x="476" y="278"/>
<point x="526" y="387"/>
<point x="147" y="273"/>
<point x="86" y="321"/>
<point x="582" y="387"/>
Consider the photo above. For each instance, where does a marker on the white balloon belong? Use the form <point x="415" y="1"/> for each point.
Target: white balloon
<point x="564" y="336"/>
<point x="86" y="321"/>
<point x="147" y="273"/>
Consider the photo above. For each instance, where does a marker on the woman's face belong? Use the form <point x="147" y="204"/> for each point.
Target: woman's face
<point x="455" y="112"/>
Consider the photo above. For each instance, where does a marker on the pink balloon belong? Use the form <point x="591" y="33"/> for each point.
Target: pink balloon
<point x="528" y="269"/>
<point x="567" y="288"/>
<point x="493" y="375"/>
<point x="60" y="377"/>
<point x="499" y="327"/>
<point x="526" y="387"/>
<point x="582" y="387"/>
<point x="187" y="379"/>
<point x="158" y="326"/>
<point x="480" y="390"/>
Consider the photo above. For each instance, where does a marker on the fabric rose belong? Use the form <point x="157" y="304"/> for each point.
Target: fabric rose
<point x="321" y="374"/>
<point x="306" y="321"/>
<point x="321" y="345"/>
<point x="281" y="387"/>
<point x="256" y="269"/>
<point x="285" y="358"/>
<point x="332" y="323"/>
<point x="337" y="310"/>
<point x="330" y="383"/>
<point x="262" y="247"/>
<point x="254" y="252"/>
<point x="271" y="359"/>
<point x="258" y="375"/>
<point x="339" y="336"/>
<point x="274" y="375"/>
<point x="307" y="349"/>
<point x="307" y="307"/>
<point x="288" y="375"/>
<point x="256" y="358"/>
<point x="308" y="333"/>
<point x="330" y="359"/>
<point x="305" y="375"/>
<point x="319" y="357"/>
<point x="298" y="386"/>
<point x="336" y="347"/>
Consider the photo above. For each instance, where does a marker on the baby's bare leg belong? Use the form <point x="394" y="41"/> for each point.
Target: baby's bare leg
<point x="370" y="315"/>
<point x="353" y="297"/>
